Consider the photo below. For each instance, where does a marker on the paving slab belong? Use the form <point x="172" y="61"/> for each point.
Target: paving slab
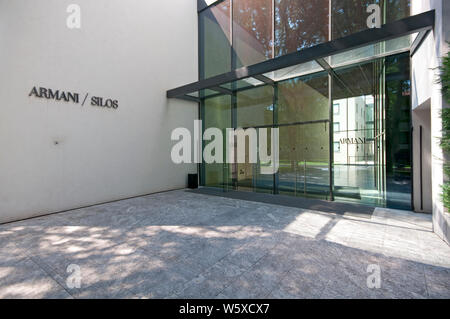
<point x="181" y="244"/>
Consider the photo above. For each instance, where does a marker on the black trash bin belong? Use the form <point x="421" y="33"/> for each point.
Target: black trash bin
<point x="192" y="181"/>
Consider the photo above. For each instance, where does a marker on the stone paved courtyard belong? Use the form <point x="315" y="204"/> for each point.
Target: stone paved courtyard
<point x="184" y="245"/>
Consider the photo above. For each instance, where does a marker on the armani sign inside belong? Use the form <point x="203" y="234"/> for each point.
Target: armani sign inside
<point x="73" y="97"/>
<point x="357" y="140"/>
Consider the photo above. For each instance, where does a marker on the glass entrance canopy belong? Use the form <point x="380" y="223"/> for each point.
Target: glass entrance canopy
<point x="391" y="38"/>
<point x="341" y="110"/>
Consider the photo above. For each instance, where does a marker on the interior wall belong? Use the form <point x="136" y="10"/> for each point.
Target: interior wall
<point x="57" y="155"/>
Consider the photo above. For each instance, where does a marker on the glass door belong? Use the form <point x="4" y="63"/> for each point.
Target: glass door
<point x="304" y="160"/>
<point x="216" y="113"/>
<point x="250" y="176"/>
<point x="359" y="133"/>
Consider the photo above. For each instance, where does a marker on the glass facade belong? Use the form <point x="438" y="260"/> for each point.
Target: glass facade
<point x="215" y="36"/>
<point x="300" y="24"/>
<point x="252" y="31"/>
<point x="350" y="16"/>
<point x="343" y="135"/>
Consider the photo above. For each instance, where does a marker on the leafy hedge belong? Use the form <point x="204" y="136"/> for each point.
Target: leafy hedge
<point x="445" y="141"/>
<point x="445" y="78"/>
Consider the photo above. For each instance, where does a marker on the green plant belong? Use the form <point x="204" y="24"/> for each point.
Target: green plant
<point x="445" y="140"/>
<point x="445" y="78"/>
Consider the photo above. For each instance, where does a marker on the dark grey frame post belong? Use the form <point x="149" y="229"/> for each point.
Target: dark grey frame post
<point x="276" y="176"/>
<point x="235" y="176"/>
<point x="201" y="105"/>
<point x="331" y="136"/>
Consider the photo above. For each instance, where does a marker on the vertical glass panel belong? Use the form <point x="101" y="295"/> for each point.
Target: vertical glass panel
<point x="350" y="16"/>
<point x="358" y="136"/>
<point x="217" y="114"/>
<point x="304" y="160"/>
<point x="255" y="107"/>
<point x="215" y="37"/>
<point x="398" y="132"/>
<point x="300" y="24"/>
<point x="397" y="9"/>
<point x="354" y="162"/>
<point x="252" y="31"/>
<point x="303" y="99"/>
<point x="304" y="147"/>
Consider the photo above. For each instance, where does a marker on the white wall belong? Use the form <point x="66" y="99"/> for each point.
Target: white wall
<point x="426" y="89"/>
<point x="132" y="51"/>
